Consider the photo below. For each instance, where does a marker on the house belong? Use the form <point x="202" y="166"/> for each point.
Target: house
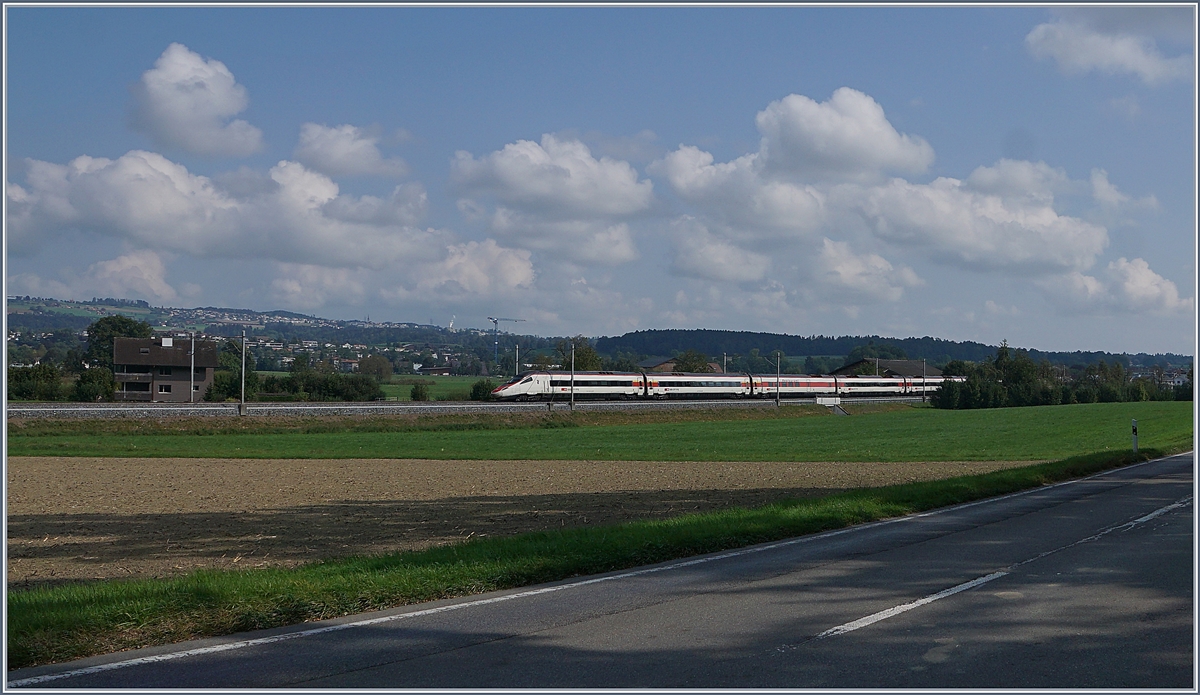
<point x="158" y="369"/>
<point x="435" y="371"/>
<point x="667" y="364"/>
<point x="888" y="368"/>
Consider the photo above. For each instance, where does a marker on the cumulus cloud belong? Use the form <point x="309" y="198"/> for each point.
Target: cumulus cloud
<point x="589" y="242"/>
<point x="1079" y="47"/>
<point x="344" y="151"/>
<point x="471" y="270"/>
<point x="846" y="137"/>
<point x="698" y="253"/>
<point x="1125" y="286"/>
<point x="556" y="198"/>
<point x="999" y="218"/>
<point x="186" y="102"/>
<point x="736" y="193"/>
<point x="555" y="177"/>
<point x="299" y="216"/>
<point x="139" y="274"/>
<point x="1110" y="198"/>
<point x="307" y="287"/>
<point x="861" y="278"/>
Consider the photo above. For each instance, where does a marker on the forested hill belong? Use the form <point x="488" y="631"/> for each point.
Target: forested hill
<point x="936" y="350"/>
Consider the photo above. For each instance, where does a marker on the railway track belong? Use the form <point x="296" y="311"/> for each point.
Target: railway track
<point x="157" y="410"/>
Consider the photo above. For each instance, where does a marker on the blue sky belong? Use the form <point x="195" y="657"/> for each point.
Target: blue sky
<point x="1018" y="173"/>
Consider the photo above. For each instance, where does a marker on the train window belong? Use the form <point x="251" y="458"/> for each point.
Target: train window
<point x="527" y="380"/>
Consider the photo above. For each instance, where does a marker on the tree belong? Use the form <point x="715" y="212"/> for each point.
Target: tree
<point x="227" y="379"/>
<point x="101" y="333"/>
<point x="586" y="357"/>
<point x="42" y="382"/>
<point x="693" y="361"/>
<point x="94" y="384"/>
<point x="871" y="350"/>
<point x="420" y="391"/>
<point x="376" y="366"/>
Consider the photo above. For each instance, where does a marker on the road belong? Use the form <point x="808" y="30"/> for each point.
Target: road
<point x="1086" y="584"/>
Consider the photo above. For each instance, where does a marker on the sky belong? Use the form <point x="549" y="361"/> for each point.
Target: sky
<point x="971" y="173"/>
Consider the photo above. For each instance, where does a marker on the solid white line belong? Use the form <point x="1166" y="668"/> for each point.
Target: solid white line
<point x="34" y="680"/>
<point x="905" y="607"/>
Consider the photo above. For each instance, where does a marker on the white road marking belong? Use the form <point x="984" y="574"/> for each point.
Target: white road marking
<point x="905" y="607"/>
<point x="171" y="656"/>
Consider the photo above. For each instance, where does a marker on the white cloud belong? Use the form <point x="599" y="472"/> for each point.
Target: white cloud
<point x="590" y="242"/>
<point x="472" y="270"/>
<point x="847" y="137"/>
<point x="1110" y="198"/>
<point x="1125" y="286"/>
<point x="1079" y="48"/>
<point x="697" y="253"/>
<point x="556" y="198"/>
<point x="344" y="151"/>
<point x="740" y="196"/>
<point x="994" y="220"/>
<point x="556" y="177"/>
<point x="185" y="102"/>
<point x="295" y="215"/>
<point x="860" y="278"/>
<point x="307" y="287"/>
<point x="138" y="274"/>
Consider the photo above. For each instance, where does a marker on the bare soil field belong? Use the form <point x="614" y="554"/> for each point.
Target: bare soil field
<point x="72" y="519"/>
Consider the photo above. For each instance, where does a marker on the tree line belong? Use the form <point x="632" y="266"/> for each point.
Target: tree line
<point x="1012" y="378"/>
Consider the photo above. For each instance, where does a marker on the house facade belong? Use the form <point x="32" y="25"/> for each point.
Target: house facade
<point x="159" y="369"/>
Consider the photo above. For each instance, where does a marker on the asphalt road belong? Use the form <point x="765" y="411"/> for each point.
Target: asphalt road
<point x="1087" y="584"/>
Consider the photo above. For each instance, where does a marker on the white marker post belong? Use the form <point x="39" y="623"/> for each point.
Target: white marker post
<point x="1135" y="436"/>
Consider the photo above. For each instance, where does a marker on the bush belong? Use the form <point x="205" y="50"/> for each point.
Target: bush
<point x="482" y="390"/>
<point x="41" y="382"/>
<point x="95" y="384"/>
<point x="420" y="392"/>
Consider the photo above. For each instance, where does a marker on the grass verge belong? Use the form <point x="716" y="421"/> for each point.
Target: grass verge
<point x="48" y="625"/>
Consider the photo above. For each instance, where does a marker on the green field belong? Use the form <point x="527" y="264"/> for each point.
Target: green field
<point x="795" y="434"/>
<point x="441" y="388"/>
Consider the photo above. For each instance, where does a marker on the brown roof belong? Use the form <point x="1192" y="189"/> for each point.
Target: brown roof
<point x="150" y="351"/>
<point x="892" y="368"/>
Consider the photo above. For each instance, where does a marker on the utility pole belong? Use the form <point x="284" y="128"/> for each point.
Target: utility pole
<point x="192" y="382"/>
<point x="778" y="374"/>
<point x="724" y="362"/>
<point x="496" y="336"/>
<point x="242" y="405"/>
<point x="517" y="366"/>
<point x="922" y="379"/>
<point x="572" y="376"/>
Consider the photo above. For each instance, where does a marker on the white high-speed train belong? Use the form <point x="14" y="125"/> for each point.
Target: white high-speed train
<point x="532" y="386"/>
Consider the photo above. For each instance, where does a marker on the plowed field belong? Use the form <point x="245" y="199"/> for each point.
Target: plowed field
<point x="93" y="518"/>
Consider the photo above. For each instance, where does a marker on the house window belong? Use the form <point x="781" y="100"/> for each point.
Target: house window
<point x="164" y="371"/>
<point x="144" y="351"/>
<point x="131" y="386"/>
<point x="164" y="388"/>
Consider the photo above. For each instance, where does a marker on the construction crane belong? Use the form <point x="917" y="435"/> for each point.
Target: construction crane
<point x="496" y="337"/>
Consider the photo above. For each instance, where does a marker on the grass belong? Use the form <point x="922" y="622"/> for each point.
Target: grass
<point x="441" y="388"/>
<point x="55" y="624"/>
<point x="793" y="434"/>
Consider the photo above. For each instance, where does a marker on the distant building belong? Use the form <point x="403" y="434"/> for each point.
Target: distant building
<point x="889" y="368"/>
<point x="157" y="369"/>
<point x="667" y="364"/>
<point x="435" y="371"/>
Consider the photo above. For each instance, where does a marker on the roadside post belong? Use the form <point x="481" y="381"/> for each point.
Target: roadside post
<point x="1135" y="436"/>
